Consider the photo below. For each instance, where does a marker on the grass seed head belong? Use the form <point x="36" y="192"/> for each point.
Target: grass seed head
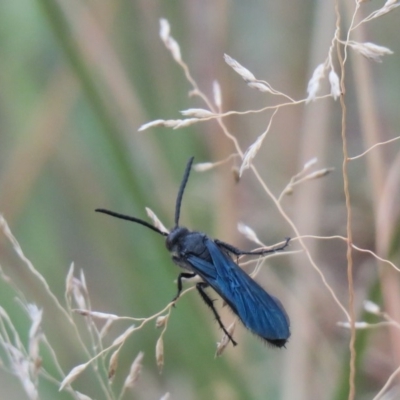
<point x="371" y="307"/>
<point x="73" y="374"/>
<point x="262" y="87"/>
<point x="68" y="281"/>
<point x="335" y="84"/>
<point x="113" y="364"/>
<point x="160" y="354"/>
<point x="121" y="338"/>
<point x="201" y="167"/>
<point x="314" y="83"/>
<point x="238" y="68"/>
<point x="217" y="94"/>
<point x="248" y="233"/>
<point x="161" y="321"/>
<point x="135" y="371"/>
<point x="197" y="113"/>
<point x="156" y="221"/>
<point x="371" y="51"/>
<point x="170" y="43"/>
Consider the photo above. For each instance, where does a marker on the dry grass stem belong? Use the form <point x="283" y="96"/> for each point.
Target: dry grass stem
<point x="301" y="177"/>
<point x="384" y="260"/>
<point x="373" y="147"/>
<point x="387" y="384"/>
<point x="389" y="6"/>
<point x="180" y="123"/>
<point x="119" y="341"/>
<point x="349" y="231"/>
<point x="36" y="334"/>
<point x="297" y="234"/>
<point x="18" y="250"/>
<point x="388" y="318"/>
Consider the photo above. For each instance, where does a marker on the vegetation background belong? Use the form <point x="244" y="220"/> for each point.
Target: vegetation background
<point x="77" y="80"/>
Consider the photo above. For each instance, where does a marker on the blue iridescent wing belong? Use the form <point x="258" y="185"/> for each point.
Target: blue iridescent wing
<point x="203" y="268"/>
<point x="260" y="312"/>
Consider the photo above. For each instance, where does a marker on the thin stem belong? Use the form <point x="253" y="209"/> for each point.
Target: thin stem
<point x="352" y="390"/>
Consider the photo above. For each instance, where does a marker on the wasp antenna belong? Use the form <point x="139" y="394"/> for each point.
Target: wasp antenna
<point x="181" y="190"/>
<point x="133" y="219"/>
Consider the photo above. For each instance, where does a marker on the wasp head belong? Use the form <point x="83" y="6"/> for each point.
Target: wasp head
<point x="174" y="239"/>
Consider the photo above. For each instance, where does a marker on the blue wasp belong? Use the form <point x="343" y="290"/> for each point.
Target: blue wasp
<point x="210" y="259"/>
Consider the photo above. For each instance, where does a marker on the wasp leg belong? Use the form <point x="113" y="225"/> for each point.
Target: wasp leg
<point x="238" y="252"/>
<point x="200" y="287"/>
<point x="183" y="275"/>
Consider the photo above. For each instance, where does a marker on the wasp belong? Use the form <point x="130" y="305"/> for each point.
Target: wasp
<point x="211" y="259"/>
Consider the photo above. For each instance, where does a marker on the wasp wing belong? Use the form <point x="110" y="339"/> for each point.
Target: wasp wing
<point x="204" y="269"/>
<point x="260" y="312"/>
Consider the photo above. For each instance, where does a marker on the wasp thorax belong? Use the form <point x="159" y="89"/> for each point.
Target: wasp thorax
<point x="174" y="236"/>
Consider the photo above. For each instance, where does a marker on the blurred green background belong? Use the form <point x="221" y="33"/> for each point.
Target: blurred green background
<point x="78" y="78"/>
